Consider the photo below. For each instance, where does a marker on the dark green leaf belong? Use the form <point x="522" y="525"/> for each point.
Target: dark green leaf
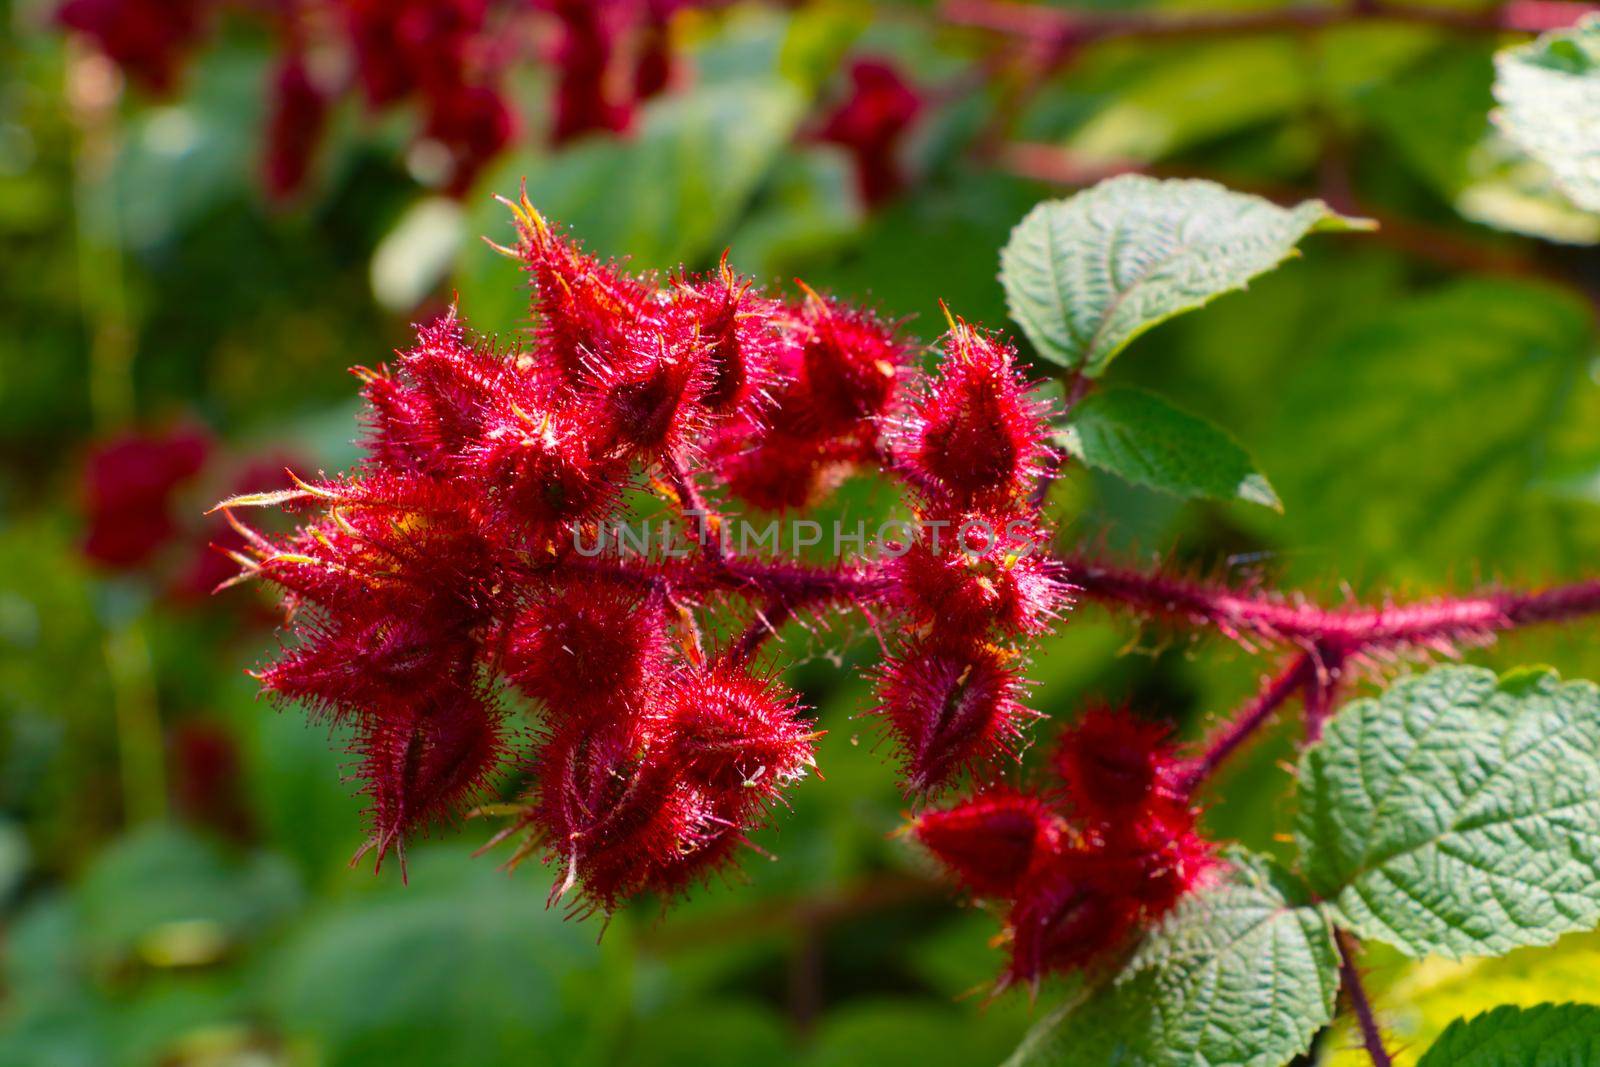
<point x="1086" y="275"/>
<point x="1138" y="436"/>
<point x="1544" y="1036"/>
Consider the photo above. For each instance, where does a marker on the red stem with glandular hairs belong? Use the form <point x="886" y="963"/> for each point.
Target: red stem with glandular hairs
<point x="1350" y="982"/>
<point x="1274" y="618"/>
<point x="1062" y="28"/>
<point x="1275" y="691"/>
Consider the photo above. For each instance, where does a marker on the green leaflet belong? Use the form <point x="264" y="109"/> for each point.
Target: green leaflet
<point x="1550" y="1034"/>
<point x="1242" y="974"/>
<point x="1549" y="94"/>
<point x="1140" y="437"/>
<point x="1086" y="275"/>
<point x="1458" y="813"/>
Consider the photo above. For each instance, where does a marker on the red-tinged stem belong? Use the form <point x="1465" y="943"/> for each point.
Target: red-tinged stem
<point x="766" y="624"/>
<point x="789" y="582"/>
<point x="1060" y="27"/>
<point x="1322" y="690"/>
<point x="1339" y="633"/>
<point x="708" y="524"/>
<point x="1371" y="1036"/>
<point x="1274" y="692"/>
<point x="1331" y="636"/>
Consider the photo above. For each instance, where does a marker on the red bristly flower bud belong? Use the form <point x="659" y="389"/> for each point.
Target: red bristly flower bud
<point x="428" y="763"/>
<point x="992" y="841"/>
<point x="128" y="485"/>
<point x="968" y="575"/>
<point x="950" y="709"/>
<point x="1086" y="865"/>
<point x="294" y="126"/>
<point x="850" y="361"/>
<point x="1112" y="763"/>
<point x="871" y="124"/>
<point x="148" y="39"/>
<point x="586" y="648"/>
<point x="1072" y="913"/>
<point x="736" y="734"/>
<point x="976" y="434"/>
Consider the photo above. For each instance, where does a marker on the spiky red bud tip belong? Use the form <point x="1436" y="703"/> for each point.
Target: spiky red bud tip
<point x="737" y="734"/>
<point x="1113" y="763"/>
<point x="951" y="710"/>
<point x="586" y="648"/>
<point x="428" y="763"/>
<point x="977" y="432"/>
<point x="656" y="795"/>
<point x="991" y="841"/>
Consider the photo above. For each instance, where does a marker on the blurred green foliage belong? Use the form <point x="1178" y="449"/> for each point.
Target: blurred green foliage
<point x="1425" y="426"/>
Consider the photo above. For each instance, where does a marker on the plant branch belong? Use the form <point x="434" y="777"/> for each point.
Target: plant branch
<point x="790" y="582"/>
<point x="1322" y="690"/>
<point x="1371" y="1036"/>
<point x="1063" y="29"/>
<point x="1275" y="691"/>
<point x="1344" y="632"/>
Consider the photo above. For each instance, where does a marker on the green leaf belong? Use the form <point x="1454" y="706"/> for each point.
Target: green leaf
<point x="1142" y="438"/>
<point x="888" y="1032"/>
<point x="464" y="966"/>
<point x="1242" y="974"/>
<point x="1086" y="275"/>
<point x="174" y="899"/>
<point x="1458" y="813"/>
<point x="1520" y="1037"/>
<point x="1549" y="94"/>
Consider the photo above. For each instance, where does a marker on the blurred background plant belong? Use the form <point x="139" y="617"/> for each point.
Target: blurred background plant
<point x="205" y="226"/>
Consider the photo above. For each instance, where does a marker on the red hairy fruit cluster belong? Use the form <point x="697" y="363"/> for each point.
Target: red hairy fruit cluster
<point x="443" y="54"/>
<point x="130" y="483"/>
<point x="975" y="580"/>
<point x="872" y="123"/>
<point x="1085" y="865"/>
<point x="458" y="575"/>
<point x="147" y="39"/>
<point x="445" y="58"/>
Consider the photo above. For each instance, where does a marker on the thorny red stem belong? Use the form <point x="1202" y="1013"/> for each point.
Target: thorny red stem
<point x="1344" y="632"/>
<point x="1247" y="617"/>
<point x="1334" y="635"/>
<point x="1064" y="29"/>
<point x="1330" y="638"/>
<point x="1274" y="692"/>
<point x="1371" y="1036"/>
<point x="1321" y="692"/>
<point x="792" y="583"/>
